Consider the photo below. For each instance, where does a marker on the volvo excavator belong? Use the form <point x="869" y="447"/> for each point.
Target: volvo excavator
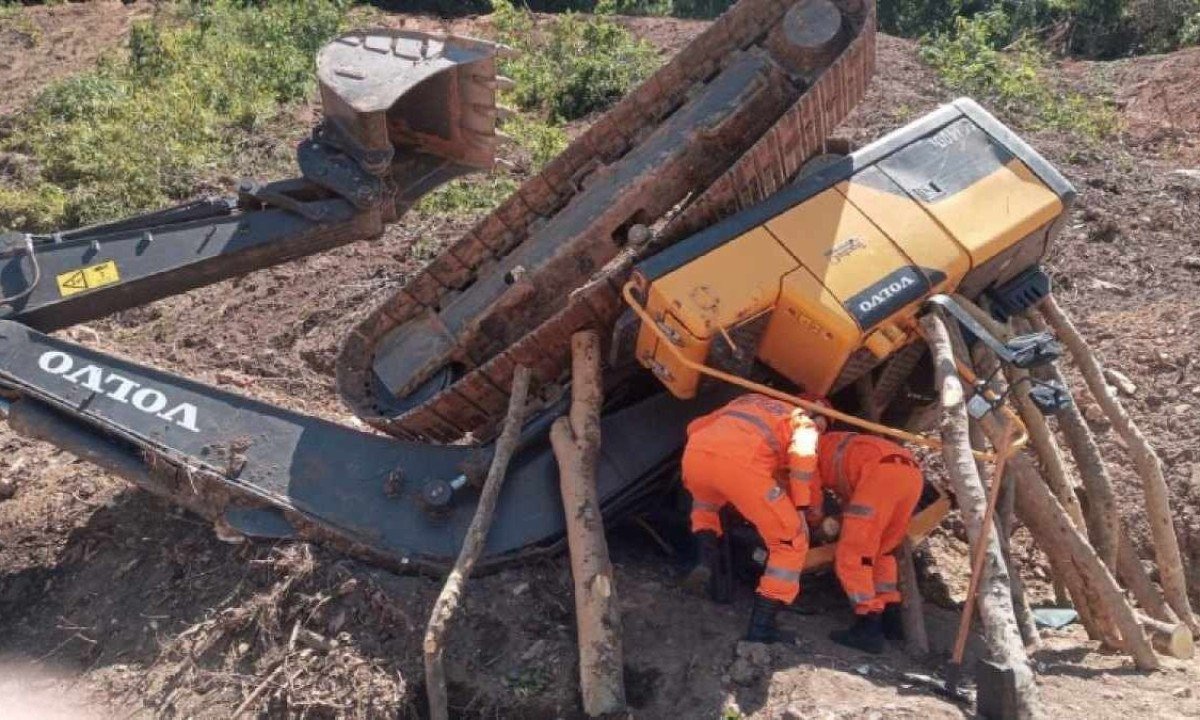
<point x="704" y="225"/>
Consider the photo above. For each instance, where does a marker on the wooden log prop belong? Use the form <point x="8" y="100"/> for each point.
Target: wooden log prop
<point x="1072" y="556"/>
<point x="1000" y="632"/>
<point x="1102" y="519"/>
<point x="1145" y="459"/>
<point x="450" y="598"/>
<point x="1092" y="522"/>
<point x="1099" y="500"/>
<point x="912" y="611"/>
<point x="576" y="441"/>
<point x="1131" y="572"/>
<point x="986" y="364"/>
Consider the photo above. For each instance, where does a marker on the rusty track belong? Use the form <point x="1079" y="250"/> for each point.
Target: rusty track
<point x="723" y="125"/>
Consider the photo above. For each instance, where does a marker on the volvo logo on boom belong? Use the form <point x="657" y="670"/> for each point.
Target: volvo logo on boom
<point x="119" y="388"/>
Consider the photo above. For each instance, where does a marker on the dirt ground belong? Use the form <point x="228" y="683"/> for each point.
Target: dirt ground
<point x="42" y="43"/>
<point x="113" y="602"/>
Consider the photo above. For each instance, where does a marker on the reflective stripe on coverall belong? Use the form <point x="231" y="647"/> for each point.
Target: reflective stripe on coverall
<point x="745" y="454"/>
<point x="878" y="483"/>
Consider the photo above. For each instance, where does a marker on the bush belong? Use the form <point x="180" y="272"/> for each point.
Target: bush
<point x="967" y="59"/>
<point x="140" y="131"/>
<point x="570" y="66"/>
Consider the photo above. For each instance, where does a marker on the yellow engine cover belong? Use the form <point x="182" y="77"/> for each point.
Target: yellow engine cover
<point x="839" y="262"/>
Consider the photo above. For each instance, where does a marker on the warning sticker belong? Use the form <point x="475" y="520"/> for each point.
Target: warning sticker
<point x="88" y="278"/>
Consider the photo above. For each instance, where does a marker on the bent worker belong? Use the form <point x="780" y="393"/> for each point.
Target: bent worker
<point x="878" y="484"/>
<point x="737" y="456"/>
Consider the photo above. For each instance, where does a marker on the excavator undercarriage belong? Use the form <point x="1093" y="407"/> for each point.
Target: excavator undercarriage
<point x="694" y="199"/>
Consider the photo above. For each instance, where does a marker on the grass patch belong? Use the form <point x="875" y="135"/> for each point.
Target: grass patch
<point x="572" y="65"/>
<point x="567" y="68"/>
<point x="1014" y="79"/>
<point x="200" y="81"/>
<point x="144" y="127"/>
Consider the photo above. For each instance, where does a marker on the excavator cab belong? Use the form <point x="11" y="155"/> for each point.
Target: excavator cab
<point x="824" y="280"/>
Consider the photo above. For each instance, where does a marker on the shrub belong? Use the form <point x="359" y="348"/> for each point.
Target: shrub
<point x="141" y="129"/>
<point x="968" y="60"/>
<point x="572" y="65"/>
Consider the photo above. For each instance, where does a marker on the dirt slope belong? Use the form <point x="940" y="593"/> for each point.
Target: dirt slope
<point x="118" y="598"/>
<point x="40" y="44"/>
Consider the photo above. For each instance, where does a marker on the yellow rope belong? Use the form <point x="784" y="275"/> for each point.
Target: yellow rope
<point x="923" y="440"/>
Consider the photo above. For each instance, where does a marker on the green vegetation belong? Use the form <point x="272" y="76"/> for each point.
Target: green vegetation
<point x="968" y="60"/>
<point x="571" y="65"/>
<point x="143" y="128"/>
<point x="201" y="81"/>
<point x="565" y="69"/>
<point x="1088" y="28"/>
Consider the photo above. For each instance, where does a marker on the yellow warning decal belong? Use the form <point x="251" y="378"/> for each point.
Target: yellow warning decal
<point x="88" y="278"/>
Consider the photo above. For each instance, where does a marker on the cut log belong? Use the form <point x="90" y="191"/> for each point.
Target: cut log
<point x="1154" y="485"/>
<point x="576" y="441"/>
<point x="450" y="597"/>
<point x="1170" y="639"/>
<point x="912" y="611"/>
<point x="1001" y="634"/>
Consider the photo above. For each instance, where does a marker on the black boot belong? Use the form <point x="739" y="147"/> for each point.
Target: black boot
<point x="762" y="623"/>
<point x="865" y="634"/>
<point x="893" y="625"/>
<point x="699" y="580"/>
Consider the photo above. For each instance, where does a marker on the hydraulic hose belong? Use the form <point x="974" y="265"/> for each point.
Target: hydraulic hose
<point x="924" y="440"/>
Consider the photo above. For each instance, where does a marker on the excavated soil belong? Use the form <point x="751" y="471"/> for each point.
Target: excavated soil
<point x="112" y="601"/>
<point x="43" y="43"/>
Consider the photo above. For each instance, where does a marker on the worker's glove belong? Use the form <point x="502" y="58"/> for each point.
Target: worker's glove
<point x="804" y="438"/>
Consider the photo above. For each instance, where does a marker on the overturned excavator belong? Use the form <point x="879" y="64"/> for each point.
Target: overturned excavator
<point x="704" y="225"/>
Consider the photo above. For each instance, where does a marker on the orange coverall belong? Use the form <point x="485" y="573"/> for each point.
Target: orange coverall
<point x="878" y="483"/>
<point x="746" y="454"/>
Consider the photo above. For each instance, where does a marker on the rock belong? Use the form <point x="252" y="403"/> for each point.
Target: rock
<point x="743" y="672"/>
<point x="1106" y="285"/>
<point x="1183" y="692"/>
<point x="520" y="589"/>
<point x="1121" y="381"/>
<point x="1191" y="262"/>
<point x="1181" y="409"/>
<point x="795" y="712"/>
<point x="1191" y="176"/>
<point x="8" y="488"/>
<point x="234" y="378"/>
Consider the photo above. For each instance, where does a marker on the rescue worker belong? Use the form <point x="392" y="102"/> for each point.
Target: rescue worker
<point x="759" y="455"/>
<point x="878" y="484"/>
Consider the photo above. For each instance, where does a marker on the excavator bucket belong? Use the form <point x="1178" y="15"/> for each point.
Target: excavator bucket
<point x="387" y="91"/>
